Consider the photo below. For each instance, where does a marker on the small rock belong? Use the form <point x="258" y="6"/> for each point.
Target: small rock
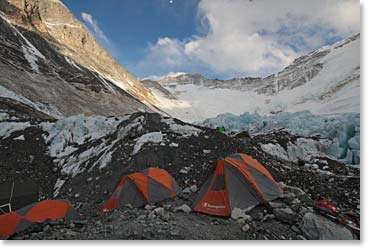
<point x="205" y="151"/>
<point x="186" y="190"/>
<point x="70" y="233"/>
<point x="76" y="195"/>
<point x="295" y="229"/>
<point x="173" y="145"/>
<point x="129" y="206"/>
<point x="185" y="170"/>
<point x="288" y="196"/>
<point x="276" y="204"/>
<point x="295" y="190"/>
<point x="148" y="207"/>
<point x="46" y="228"/>
<point x="237" y="213"/>
<point x="175" y="233"/>
<point x="159" y="211"/>
<point x="151" y="215"/>
<point x="296" y="201"/>
<point x="314" y="166"/>
<point x="259" y="216"/>
<point x="141" y="217"/>
<point x="183" y="208"/>
<point x="245" y="228"/>
<point x="194" y="188"/>
<point x="241" y="221"/>
<point x="300" y="237"/>
<point x="268" y="217"/>
<point x="281" y="185"/>
<point x="167" y="216"/>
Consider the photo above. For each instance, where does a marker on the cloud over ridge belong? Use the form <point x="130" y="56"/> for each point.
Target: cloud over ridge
<point x="253" y="38"/>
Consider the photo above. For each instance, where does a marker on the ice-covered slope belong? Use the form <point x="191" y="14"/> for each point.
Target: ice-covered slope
<point x="326" y="81"/>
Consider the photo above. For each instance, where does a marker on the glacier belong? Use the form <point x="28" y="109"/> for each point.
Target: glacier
<point x="339" y="133"/>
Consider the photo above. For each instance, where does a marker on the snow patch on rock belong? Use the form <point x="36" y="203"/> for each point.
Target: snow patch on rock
<point x="7" y="128"/>
<point x="153" y="137"/>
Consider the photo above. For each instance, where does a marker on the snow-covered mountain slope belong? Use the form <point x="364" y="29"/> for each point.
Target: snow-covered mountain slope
<point x="325" y="81"/>
<point x="50" y="58"/>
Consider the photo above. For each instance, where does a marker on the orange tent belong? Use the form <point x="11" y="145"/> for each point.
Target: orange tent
<point x="19" y="220"/>
<point x="148" y="186"/>
<point x="239" y="181"/>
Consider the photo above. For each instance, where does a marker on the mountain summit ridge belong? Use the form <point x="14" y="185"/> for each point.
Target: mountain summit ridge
<point x="325" y="81"/>
<point x="60" y="48"/>
<point x="56" y="23"/>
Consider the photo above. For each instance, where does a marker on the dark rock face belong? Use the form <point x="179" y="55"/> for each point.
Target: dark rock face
<point x="59" y="82"/>
<point x="43" y="59"/>
<point x="53" y="21"/>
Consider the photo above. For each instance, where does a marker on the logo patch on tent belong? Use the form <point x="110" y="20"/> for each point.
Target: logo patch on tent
<point x="207" y="205"/>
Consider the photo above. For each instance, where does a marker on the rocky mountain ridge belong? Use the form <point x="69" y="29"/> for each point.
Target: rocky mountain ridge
<point x="325" y="81"/>
<point x="49" y="56"/>
<point x="298" y="73"/>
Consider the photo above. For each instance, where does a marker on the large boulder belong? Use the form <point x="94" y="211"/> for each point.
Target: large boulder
<point x="317" y="227"/>
<point x="284" y="214"/>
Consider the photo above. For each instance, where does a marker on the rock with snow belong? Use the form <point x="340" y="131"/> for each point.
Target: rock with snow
<point x="153" y="137"/>
<point x="20" y="138"/>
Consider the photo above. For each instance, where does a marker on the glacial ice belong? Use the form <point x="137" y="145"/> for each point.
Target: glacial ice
<point x="341" y="130"/>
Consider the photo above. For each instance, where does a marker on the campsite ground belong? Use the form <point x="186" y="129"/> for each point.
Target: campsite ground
<point x="189" y="156"/>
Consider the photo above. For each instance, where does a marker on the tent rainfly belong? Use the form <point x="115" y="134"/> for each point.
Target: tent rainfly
<point x="238" y="181"/>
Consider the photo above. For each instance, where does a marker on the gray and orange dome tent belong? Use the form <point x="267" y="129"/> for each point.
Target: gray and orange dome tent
<point x="238" y="181"/>
<point x="149" y="186"/>
<point x="19" y="220"/>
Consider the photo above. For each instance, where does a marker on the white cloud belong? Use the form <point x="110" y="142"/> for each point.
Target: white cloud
<point x="158" y="77"/>
<point x="253" y="37"/>
<point x="100" y="36"/>
<point x="166" y="54"/>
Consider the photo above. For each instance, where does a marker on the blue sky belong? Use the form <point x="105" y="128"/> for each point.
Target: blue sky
<point x="132" y="25"/>
<point x="217" y="38"/>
